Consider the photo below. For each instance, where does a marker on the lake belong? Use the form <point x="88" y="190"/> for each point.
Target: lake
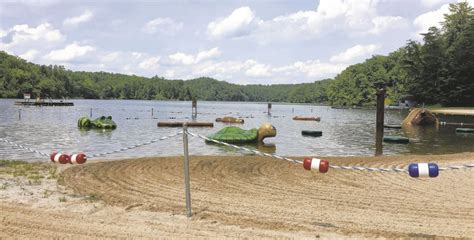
<point x="345" y="131"/>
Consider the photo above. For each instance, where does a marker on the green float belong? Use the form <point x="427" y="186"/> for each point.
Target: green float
<point x="99" y="123"/>
<point x="396" y="139"/>
<point x="238" y="135"/>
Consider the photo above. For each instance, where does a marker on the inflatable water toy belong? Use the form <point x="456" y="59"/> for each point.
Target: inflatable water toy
<point x="233" y="134"/>
<point x="99" y="123"/>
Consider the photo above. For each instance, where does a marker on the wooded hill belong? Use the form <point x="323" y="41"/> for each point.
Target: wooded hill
<point x="438" y="71"/>
<point x="18" y="76"/>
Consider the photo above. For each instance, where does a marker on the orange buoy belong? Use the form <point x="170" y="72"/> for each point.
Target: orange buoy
<point x="59" y="158"/>
<point x="78" y="158"/>
<point x="316" y="164"/>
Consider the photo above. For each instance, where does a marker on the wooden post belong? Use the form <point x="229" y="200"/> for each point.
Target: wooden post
<point x="91" y="113"/>
<point x="194" y="108"/>
<point x="19" y="114"/>
<point x="269" y="111"/>
<point x="152" y="112"/>
<point x="380" y="120"/>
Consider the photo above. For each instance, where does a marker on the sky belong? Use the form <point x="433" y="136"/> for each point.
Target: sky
<point x="242" y="42"/>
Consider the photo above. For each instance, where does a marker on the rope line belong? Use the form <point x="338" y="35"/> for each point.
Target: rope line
<point x="97" y="154"/>
<point x="135" y="146"/>
<point x="354" y="168"/>
<point x="246" y="149"/>
<point x="24" y="148"/>
<point x="254" y="151"/>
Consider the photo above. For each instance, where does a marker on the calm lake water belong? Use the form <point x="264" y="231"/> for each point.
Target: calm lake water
<point x="345" y="131"/>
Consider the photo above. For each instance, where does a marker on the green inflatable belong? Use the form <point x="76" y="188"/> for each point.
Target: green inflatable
<point x="238" y="135"/>
<point x="99" y="123"/>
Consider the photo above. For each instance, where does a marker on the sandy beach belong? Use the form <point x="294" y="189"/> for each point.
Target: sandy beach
<point x="240" y="197"/>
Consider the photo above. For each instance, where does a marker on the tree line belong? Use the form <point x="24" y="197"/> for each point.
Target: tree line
<point x="438" y="70"/>
<point x="18" y="76"/>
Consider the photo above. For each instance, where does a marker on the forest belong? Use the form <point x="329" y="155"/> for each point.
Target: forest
<point x="438" y="70"/>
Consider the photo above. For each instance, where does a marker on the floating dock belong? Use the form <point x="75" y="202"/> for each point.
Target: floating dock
<point x="26" y="103"/>
<point x="454" y="112"/>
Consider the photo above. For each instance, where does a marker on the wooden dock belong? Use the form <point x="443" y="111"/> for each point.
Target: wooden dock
<point x="454" y="112"/>
<point x="44" y="103"/>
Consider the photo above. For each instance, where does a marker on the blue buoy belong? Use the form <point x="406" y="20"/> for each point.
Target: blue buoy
<point x="423" y="170"/>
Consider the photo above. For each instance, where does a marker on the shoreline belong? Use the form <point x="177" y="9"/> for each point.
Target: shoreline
<point x="243" y="196"/>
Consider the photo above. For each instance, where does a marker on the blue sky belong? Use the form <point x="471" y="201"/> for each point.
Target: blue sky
<point x="243" y="42"/>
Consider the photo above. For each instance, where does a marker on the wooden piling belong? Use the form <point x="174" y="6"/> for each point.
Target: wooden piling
<point x="380" y="119"/>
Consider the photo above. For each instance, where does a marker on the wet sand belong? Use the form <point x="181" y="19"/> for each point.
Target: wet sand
<point x="247" y="196"/>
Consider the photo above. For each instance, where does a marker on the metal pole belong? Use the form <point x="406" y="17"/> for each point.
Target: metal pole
<point x="186" y="170"/>
<point x="379" y="121"/>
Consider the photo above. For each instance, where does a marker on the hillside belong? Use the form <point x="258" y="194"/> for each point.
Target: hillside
<point x="17" y="76"/>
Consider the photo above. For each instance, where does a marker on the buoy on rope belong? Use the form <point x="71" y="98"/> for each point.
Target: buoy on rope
<point x="423" y="170"/>
<point x="59" y="158"/>
<point x="316" y="164"/>
<point x="78" y="158"/>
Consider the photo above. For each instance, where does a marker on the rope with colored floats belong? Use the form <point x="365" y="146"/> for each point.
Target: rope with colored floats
<point x="135" y="146"/>
<point x="80" y="158"/>
<point x="415" y="170"/>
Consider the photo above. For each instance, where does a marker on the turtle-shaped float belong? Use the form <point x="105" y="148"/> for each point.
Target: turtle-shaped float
<point x="99" y="123"/>
<point x="234" y="134"/>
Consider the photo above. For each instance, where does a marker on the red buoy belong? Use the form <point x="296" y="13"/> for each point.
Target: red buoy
<point x="78" y="158"/>
<point x="316" y="164"/>
<point x="60" y="158"/>
<point x="52" y="156"/>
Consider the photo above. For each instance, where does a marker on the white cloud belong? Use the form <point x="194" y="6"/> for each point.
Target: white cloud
<point x="355" y="53"/>
<point x="300" y="71"/>
<point x="23" y="38"/>
<point x="188" y="59"/>
<point x="204" y="55"/>
<point x="163" y="25"/>
<point x="331" y="16"/>
<point x="30" y="55"/>
<point x="70" y="52"/>
<point x="85" y="17"/>
<point x="384" y="23"/>
<point x="3" y="33"/>
<point x="240" y="22"/>
<point x="182" y="58"/>
<point x="313" y="69"/>
<point x="258" y="70"/>
<point x="432" y="3"/>
<point x="150" y="63"/>
<point x="110" y="57"/>
<point x="169" y="74"/>
<point x="429" y="19"/>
